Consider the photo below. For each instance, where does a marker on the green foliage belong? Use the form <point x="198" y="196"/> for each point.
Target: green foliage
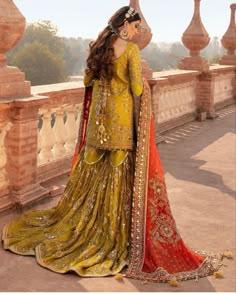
<point x="40" y="65"/>
<point x="40" y="54"/>
<point x="165" y="56"/>
<point x="44" y="32"/>
<point x="213" y="49"/>
<point x="76" y="54"/>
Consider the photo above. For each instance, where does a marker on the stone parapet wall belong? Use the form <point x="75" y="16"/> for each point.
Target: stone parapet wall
<point x="174" y="98"/>
<point x="224" y="84"/>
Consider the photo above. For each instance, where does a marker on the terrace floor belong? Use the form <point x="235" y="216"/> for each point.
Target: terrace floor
<point x="200" y="169"/>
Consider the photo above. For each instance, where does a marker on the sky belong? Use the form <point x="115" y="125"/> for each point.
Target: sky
<point x="168" y="19"/>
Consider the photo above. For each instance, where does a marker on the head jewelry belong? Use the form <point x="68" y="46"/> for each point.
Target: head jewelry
<point x="130" y="13"/>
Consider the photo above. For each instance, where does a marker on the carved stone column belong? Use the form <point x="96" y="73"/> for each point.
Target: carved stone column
<point x="143" y="38"/>
<point x="12" y="26"/>
<point x="195" y="38"/>
<point x="229" y="40"/>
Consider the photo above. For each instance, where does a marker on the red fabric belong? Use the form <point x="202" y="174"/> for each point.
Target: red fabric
<point x="83" y="123"/>
<point x="163" y="246"/>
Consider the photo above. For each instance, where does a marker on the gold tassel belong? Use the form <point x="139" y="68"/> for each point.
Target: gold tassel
<point x="228" y="254"/>
<point x="219" y="275"/>
<point x="173" y="282"/>
<point x="119" y="277"/>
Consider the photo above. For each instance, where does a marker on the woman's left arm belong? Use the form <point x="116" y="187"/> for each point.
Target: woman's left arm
<point x="135" y="71"/>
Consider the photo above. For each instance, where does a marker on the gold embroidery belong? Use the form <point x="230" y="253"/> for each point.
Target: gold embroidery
<point x="165" y="229"/>
<point x="110" y="124"/>
<point x="211" y="263"/>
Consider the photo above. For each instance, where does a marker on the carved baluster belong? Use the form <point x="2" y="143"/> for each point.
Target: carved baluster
<point x="71" y="129"/>
<point x="60" y="133"/>
<point x="47" y="137"/>
<point x="77" y="122"/>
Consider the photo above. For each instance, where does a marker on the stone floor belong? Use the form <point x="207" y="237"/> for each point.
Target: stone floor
<point x="200" y="168"/>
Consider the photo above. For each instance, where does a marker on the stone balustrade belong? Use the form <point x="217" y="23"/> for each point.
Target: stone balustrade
<point x="224" y="85"/>
<point x="58" y="128"/>
<point x="174" y="101"/>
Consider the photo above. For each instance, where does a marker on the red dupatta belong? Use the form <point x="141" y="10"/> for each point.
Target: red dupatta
<point x="157" y="251"/>
<point x="83" y="123"/>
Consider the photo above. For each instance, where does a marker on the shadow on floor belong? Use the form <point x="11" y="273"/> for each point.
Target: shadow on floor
<point x="177" y="157"/>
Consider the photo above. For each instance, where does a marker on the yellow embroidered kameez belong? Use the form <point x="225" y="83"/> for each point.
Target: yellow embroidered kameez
<point x="88" y="231"/>
<point x="118" y="116"/>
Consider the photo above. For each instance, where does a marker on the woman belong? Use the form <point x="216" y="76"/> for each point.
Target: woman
<point x="116" y="168"/>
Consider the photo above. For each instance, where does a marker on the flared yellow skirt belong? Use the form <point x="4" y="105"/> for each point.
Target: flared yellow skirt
<point x="88" y="230"/>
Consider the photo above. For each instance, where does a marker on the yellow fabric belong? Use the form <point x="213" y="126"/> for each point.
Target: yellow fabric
<point x="88" y="231"/>
<point x="117" y="157"/>
<point x="118" y="122"/>
<point x="92" y="155"/>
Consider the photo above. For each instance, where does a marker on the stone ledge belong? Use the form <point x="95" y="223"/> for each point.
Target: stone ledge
<point x="56" y="87"/>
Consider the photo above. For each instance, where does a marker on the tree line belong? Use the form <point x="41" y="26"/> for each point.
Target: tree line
<point x="47" y="58"/>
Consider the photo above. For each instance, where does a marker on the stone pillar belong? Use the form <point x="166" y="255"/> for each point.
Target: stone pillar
<point x="195" y="38"/>
<point x="22" y="151"/>
<point x="229" y="40"/>
<point x="205" y="96"/>
<point x="143" y="38"/>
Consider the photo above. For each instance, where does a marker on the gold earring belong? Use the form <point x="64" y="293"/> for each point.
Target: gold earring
<point x="124" y="34"/>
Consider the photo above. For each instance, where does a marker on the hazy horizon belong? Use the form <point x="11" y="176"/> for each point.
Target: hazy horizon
<point x="167" y="19"/>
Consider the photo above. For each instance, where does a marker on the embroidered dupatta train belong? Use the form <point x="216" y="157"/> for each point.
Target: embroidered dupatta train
<point x="157" y="252"/>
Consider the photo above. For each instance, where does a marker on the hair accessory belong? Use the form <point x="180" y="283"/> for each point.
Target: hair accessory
<point x="130" y="13"/>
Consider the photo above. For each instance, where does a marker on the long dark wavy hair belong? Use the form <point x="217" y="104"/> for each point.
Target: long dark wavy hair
<point x="101" y="54"/>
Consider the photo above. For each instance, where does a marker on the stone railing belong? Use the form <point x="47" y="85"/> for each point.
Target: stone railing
<point x="176" y="94"/>
<point x="58" y="128"/>
<point x="224" y="84"/>
<point x="180" y="96"/>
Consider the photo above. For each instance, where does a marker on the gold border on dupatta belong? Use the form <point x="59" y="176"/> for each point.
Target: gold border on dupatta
<point x="139" y="205"/>
<point x="212" y="262"/>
